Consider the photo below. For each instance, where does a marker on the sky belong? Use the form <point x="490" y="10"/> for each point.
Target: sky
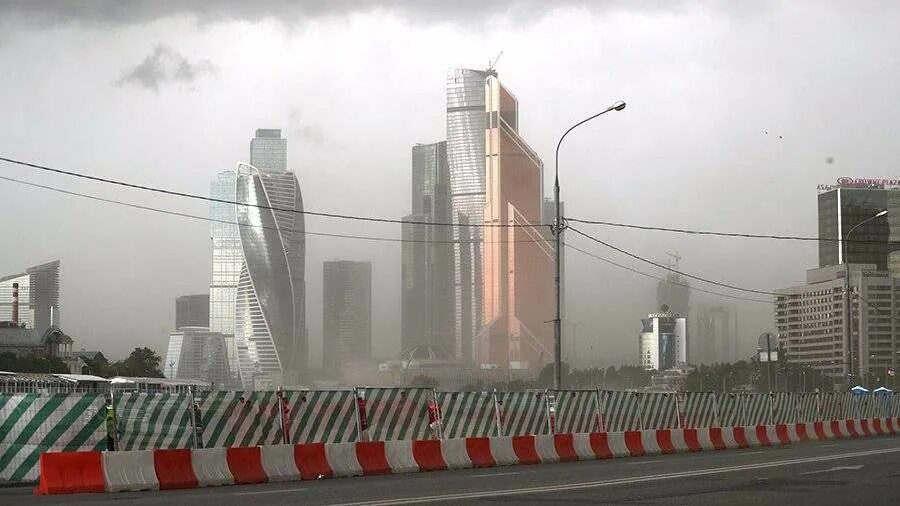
<point x="735" y="114"/>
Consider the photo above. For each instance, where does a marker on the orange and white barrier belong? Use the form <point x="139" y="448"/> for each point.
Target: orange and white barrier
<point x="72" y="472"/>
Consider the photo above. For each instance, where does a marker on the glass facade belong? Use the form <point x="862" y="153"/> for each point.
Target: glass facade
<point x="268" y="151"/>
<point x="841" y="209"/>
<point x="195" y="353"/>
<point x="427" y="265"/>
<point x="466" y="123"/>
<point x="38" y="297"/>
<point x="346" y="313"/>
<point x="270" y="315"/>
<point x="517" y="261"/>
<point x="227" y="259"/>
<point x="192" y="311"/>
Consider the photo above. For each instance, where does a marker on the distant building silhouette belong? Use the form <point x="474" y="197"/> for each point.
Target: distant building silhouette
<point x="346" y="313"/>
<point x="38" y="297"/>
<point x="427" y="257"/>
<point x="192" y="311"/>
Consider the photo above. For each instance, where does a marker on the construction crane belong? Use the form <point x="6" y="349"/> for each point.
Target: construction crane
<point x="492" y="64"/>
<point x="675" y="258"/>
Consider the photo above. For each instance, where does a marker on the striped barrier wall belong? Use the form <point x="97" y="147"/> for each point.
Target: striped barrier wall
<point x="93" y="471"/>
<point x="731" y="410"/>
<point x="31" y="424"/>
<point x="154" y="420"/>
<point x="621" y="410"/>
<point x="327" y="416"/>
<point x="523" y="413"/>
<point x="240" y="419"/>
<point x="700" y="410"/>
<point x="397" y="413"/>
<point x="757" y="408"/>
<point x="834" y="405"/>
<point x="784" y="408"/>
<point x="659" y="410"/>
<point x="468" y="414"/>
<point x="807" y="407"/>
<point x="576" y="411"/>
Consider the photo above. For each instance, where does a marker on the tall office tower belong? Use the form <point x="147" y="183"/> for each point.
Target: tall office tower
<point x="192" y="311"/>
<point x="810" y="318"/>
<point x="466" y="124"/>
<point x="847" y="204"/>
<point x="198" y="354"/>
<point x="674" y="291"/>
<point x="270" y="317"/>
<point x="714" y="334"/>
<point x="38" y="297"/>
<point x="227" y="259"/>
<point x="518" y="261"/>
<point x="663" y="342"/>
<point x="427" y="256"/>
<point x="268" y="150"/>
<point x="347" y="313"/>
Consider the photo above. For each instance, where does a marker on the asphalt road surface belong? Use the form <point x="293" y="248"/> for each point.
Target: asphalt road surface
<point x="862" y="472"/>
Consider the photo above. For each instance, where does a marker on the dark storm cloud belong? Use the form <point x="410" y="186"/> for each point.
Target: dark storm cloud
<point x="165" y="65"/>
<point x="117" y="12"/>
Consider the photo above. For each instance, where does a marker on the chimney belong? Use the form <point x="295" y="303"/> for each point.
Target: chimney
<point x="15" y="304"/>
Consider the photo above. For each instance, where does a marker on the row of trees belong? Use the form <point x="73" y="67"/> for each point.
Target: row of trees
<point x="142" y="362"/>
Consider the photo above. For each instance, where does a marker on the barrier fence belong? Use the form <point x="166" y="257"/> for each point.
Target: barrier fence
<point x="32" y="423"/>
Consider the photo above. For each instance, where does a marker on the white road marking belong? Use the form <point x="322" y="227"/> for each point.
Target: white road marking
<point x="751" y="453"/>
<point x="618" y="481"/>
<point x="488" y="475"/>
<point x="639" y="462"/>
<point x="279" y="491"/>
<point x="836" y="468"/>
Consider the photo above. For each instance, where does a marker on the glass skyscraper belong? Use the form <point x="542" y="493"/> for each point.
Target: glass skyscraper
<point x="258" y="293"/>
<point x="346" y="313"/>
<point x="466" y="123"/>
<point x="876" y="242"/>
<point x="427" y="256"/>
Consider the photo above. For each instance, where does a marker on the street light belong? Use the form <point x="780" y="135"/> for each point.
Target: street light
<point x="847" y="321"/>
<point x="557" y="231"/>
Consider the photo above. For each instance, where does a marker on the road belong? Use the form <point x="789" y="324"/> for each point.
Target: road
<point x="863" y="471"/>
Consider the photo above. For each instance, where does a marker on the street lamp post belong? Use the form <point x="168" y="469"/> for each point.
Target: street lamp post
<point x="557" y="232"/>
<point x="847" y="321"/>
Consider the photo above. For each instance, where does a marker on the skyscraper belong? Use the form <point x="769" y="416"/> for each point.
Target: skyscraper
<point x="192" y="311"/>
<point x="268" y="150"/>
<point x="258" y="289"/>
<point x="198" y="354"/>
<point x="663" y="342"/>
<point x="847" y="204"/>
<point x="714" y="334"/>
<point x="518" y="260"/>
<point x="227" y="259"/>
<point x="466" y="124"/>
<point x="346" y="313"/>
<point x="427" y="256"/>
<point x="38" y="297"/>
<point x="674" y="291"/>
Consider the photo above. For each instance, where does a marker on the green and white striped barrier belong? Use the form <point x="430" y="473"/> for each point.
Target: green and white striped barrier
<point x="397" y="413"/>
<point x="700" y="410"/>
<point x="468" y="414"/>
<point x="153" y="420"/>
<point x="577" y="411"/>
<point x="240" y="419"/>
<point x="321" y="416"/>
<point x="31" y="424"/>
<point x="523" y="413"/>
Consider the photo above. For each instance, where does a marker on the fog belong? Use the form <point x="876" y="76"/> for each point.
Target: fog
<point x="731" y="117"/>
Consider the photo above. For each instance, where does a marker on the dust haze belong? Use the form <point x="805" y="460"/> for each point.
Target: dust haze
<point x="731" y="118"/>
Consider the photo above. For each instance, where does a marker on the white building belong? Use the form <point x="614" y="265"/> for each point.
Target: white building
<point x="809" y="319"/>
<point x="663" y="341"/>
<point x="195" y="353"/>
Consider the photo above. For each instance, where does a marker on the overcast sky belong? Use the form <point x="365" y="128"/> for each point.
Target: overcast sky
<point x="732" y="113"/>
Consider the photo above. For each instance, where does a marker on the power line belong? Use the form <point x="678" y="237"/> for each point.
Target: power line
<point x="726" y="234"/>
<point x="693" y="288"/>
<point x="271" y="208"/>
<point x="661" y="266"/>
<point x="226" y="222"/>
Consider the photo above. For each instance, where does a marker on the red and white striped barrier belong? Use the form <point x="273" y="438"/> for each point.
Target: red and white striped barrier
<point x="72" y="472"/>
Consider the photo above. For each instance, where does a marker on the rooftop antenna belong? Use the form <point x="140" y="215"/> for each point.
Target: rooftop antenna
<point x="675" y="259"/>
<point x="492" y="64"/>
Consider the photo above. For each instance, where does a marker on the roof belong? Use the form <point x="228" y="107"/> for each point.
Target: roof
<point x="80" y="378"/>
<point x="120" y="380"/>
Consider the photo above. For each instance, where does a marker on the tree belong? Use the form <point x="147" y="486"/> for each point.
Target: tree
<point x="143" y="362"/>
<point x="31" y="363"/>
